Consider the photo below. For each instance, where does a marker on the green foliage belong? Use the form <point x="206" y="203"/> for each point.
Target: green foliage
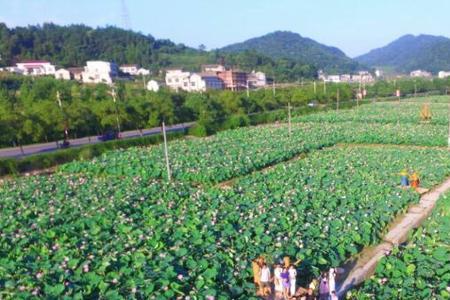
<point x="420" y="269"/>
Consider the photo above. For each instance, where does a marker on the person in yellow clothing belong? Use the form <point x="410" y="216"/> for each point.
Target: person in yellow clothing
<point x="415" y="181"/>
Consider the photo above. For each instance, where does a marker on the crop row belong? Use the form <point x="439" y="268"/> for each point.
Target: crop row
<point x="419" y="270"/>
<point x="238" y="152"/>
<point x="383" y="112"/>
<point x="94" y="237"/>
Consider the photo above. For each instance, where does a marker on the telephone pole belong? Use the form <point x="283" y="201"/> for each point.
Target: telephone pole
<point x="166" y="152"/>
<point x="66" y="125"/>
<point x="289" y="118"/>
<point x="315" y="88"/>
<point x="113" y="94"/>
<point x="337" y="100"/>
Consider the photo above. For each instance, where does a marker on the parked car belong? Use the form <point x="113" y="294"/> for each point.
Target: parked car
<point x="108" y="136"/>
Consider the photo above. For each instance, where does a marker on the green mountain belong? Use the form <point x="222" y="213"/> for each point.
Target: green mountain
<point x="289" y="45"/>
<point x="408" y="53"/>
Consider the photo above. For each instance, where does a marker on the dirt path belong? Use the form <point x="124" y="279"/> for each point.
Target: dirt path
<point x="363" y="266"/>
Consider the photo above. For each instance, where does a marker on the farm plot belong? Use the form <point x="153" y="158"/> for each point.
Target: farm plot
<point x="384" y="113"/>
<point x="90" y="237"/>
<point x="419" y="270"/>
<point x="238" y="152"/>
<point x="218" y="158"/>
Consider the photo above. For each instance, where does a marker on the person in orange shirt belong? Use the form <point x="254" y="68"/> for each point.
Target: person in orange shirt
<point x="415" y="181"/>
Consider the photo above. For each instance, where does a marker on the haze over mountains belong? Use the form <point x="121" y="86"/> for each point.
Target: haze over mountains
<point x="286" y="55"/>
<point x="409" y="52"/>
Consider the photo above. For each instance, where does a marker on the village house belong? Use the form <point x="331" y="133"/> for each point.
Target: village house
<point x="443" y="74"/>
<point x="420" y="73"/>
<point x="233" y="80"/>
<point x="131" y="69"/>
<point x="100" y="72"/>
<point x="257" y="79"/>
<point x="76" y="73"/>
<point x="63" y="74"/>
<point x="213" y="68"/>
<point x="35" y="68"/>
<point x="143" y="72"/>
<point x="177" y="79"/>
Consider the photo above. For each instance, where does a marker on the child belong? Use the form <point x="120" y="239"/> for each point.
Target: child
<point x="292" y="278"/>
<point x="285" y="283"/>
<point x="277" y="276"/>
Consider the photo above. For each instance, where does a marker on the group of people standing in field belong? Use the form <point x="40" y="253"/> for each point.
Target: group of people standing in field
<point x="409" y="179"/>
<point x="282" y="283"/>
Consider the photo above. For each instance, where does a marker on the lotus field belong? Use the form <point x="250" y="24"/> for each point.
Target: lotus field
<point x="114" y="228"/>
<point x="419" y="270"/>
<point x="405" y="112"/>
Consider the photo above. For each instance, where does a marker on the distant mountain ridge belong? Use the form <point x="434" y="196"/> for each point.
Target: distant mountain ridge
<point x="409" y="52"/>
<point x="289" y="45"/>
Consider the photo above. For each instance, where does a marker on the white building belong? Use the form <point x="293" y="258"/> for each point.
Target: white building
<point x="333" y="78"/>
<point x="257" y="79"/>
<point x="143" y="72"/>
<point x="100" y="72"/>
<point x="129" y="69"/>
<point x="420" y="73"/>
<point x="177" y="79"/>
<point x="153" y="86"/>
<point x="36" y="68"/>
<point x="378" y="73"/>
<point x="212" y="68"/>
<point x="443" y="74"/>
<point x="63" y="74"/>
<point x="193" y="82"/>
<point x="346" y="78"/>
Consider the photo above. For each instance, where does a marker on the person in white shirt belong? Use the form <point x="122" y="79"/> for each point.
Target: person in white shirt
<point x="265" y="279"/>
<point x="292" y="278"/>
<point x="332" y="279"/>
<point x="334" y="296"/>
<point x="277" y="282"/>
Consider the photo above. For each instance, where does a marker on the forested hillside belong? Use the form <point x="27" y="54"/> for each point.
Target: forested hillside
<point x="73" y="45"/>
<point x="289" y="45"/>
<point x="408" y="53"/>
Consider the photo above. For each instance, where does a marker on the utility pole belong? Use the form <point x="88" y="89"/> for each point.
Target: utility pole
<point x="337" y="100"/>
<point x="143" y="81"/>
<point x="66" y="127"/>
<point x="415" y="89"/>
<point x="166" y="152"/>
<point x="289" y="118"/>
<point x="324" y="87"/>
<point x="315" y="88"/>
<point x="113" y="93"/>
<point x="273" y="87"/>
<point x="449" y="124"/>
<point x="248" y="90"/>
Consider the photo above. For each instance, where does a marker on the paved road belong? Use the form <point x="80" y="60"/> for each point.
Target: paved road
<point x="48" y="147"/>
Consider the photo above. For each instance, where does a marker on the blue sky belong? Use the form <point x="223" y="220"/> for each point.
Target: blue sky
<point x="355" y="26"/>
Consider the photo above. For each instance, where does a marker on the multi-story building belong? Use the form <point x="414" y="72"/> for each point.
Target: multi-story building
<point x="36" y="68"/>
<point x="443" y="74"/>
<point x="420" y="73"/>
<point x="100" y="72"/>
<point x="233" y="80"/>
<point x="257" y="79"/>
<point x="177" y="79"/>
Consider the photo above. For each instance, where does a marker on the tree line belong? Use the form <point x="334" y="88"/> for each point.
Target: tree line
<point x="70" y="46"/>
<point x="30" y="112"/>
